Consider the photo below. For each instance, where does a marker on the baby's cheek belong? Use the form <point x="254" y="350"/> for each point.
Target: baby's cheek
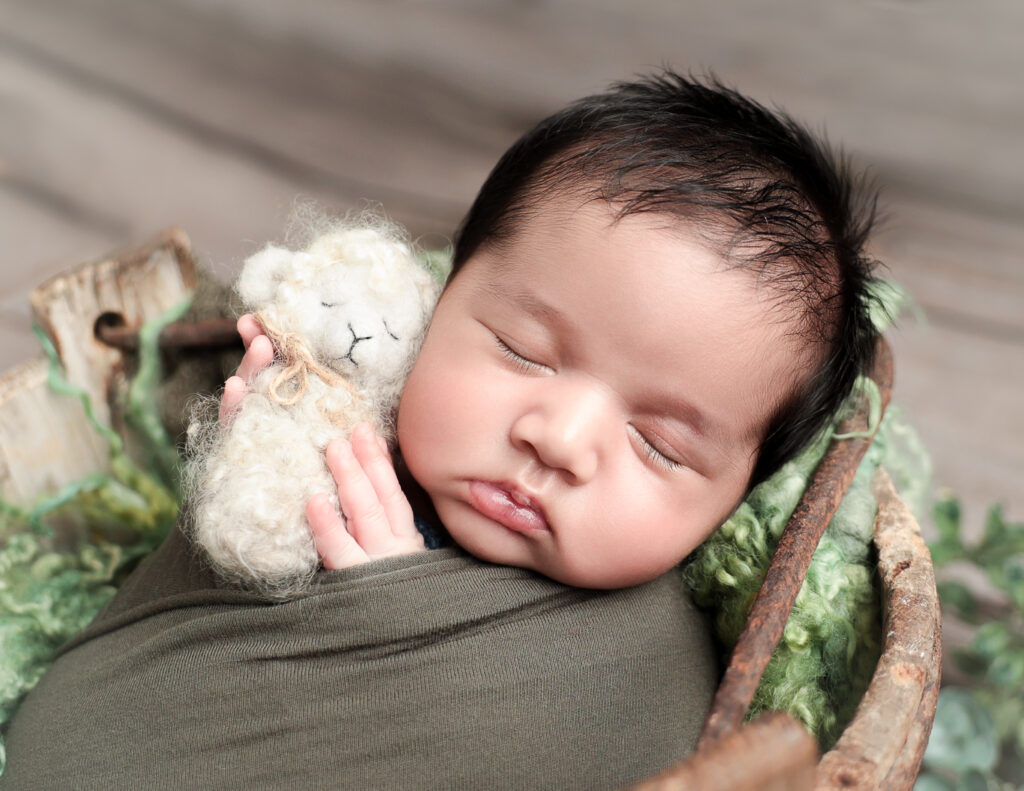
<point x="674" y="525"/>
<point x="418" y="414"/>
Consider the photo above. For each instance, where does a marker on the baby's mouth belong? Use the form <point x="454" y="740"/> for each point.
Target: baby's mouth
<point x="506" y="505"/>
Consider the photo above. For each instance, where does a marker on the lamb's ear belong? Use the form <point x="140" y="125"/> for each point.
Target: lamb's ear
<point x="262" y="273"/>
<point x="390" y="264"/>
<point x="428" y="288"/>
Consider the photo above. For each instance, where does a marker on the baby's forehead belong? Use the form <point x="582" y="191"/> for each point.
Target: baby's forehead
<point x="781" y="281"/>
<point x="796" y="292"/>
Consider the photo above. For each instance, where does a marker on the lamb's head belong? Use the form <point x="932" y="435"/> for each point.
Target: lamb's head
<point x="357" y="297"/>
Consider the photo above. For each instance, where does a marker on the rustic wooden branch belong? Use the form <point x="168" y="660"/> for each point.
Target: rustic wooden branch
<point x="218" y="333"/>
<point x="883" y="746"/>
<point x="903" y="773"/>
<point x="785" y="575"/>
<point x="773" y="753"/>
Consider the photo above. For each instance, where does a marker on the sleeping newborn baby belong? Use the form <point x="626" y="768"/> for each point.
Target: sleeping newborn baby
<point x="658" y="297"/>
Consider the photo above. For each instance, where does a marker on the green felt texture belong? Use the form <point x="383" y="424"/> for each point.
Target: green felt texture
<point x="831" y="642"/>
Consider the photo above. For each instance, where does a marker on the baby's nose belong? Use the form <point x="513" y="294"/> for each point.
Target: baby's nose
<point x="564" y="431"/>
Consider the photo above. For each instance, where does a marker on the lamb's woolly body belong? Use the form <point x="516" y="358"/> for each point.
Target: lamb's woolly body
<point x="247" y="514"/>
<point x="359" y="302"/>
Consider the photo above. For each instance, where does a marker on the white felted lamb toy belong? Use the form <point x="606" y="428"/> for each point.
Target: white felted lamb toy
<point x="346" y="317"/>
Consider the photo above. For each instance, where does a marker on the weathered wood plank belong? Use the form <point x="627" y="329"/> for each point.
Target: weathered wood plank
<point x="45" y="440"/>
<point x="395" y="76"/>
<point x="139" y="170"/>
<point x="137" y="286"/>
<point x="270" y="87"/>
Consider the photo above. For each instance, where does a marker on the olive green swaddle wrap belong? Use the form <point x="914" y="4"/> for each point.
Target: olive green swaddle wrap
<point x="431" y="670"/>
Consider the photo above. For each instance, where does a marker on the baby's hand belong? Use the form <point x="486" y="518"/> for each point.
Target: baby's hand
<point x="259" y="353"/>
<point x="378" y="518"/>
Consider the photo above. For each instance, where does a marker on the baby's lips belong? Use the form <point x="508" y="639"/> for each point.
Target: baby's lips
<point x="508" y="506"/>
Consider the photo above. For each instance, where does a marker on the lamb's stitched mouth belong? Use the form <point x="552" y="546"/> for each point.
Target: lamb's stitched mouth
<point x="356" y="339"/>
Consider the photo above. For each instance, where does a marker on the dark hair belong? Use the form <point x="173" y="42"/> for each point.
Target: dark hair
<point x="756" y="183"/>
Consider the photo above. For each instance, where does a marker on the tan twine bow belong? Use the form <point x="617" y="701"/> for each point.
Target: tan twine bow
<point x="299" y="364"/>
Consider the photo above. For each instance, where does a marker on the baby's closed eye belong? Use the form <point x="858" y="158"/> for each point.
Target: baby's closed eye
<point x="656" y="450"/>
<point x="518" y="358"/>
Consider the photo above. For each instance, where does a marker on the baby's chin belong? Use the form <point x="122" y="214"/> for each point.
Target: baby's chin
<point x="583" y="575"/>
<point x="606" y="580"/>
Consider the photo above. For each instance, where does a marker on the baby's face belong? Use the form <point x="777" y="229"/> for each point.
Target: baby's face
<point x="590" y="397"/>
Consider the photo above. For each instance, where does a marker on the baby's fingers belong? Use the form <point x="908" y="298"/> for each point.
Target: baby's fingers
<point x="365" y="514"/>
<point x="234" y="391"/>
<point x="373" y="456"/>
<point x="248" y="328"/>
<point x="365" y="517"/>
<point x="258" y="355"/>
<point x="337" y="548"/>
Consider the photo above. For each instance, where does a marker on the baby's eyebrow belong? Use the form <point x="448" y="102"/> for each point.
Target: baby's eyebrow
<point x="679" y="410"/>
<point x="675" y="408"/>
<point x="529" y="301"/>
<point x="685" y="412"/>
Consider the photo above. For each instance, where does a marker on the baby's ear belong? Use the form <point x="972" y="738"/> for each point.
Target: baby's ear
<point x="262" y="273"/>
